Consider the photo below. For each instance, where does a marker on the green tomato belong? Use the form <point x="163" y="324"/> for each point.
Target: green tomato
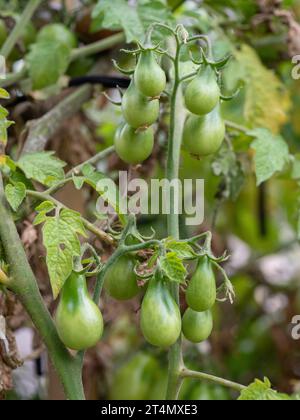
<point x="203" y="93"/>
<point x="149" y="77"/>
<point x="203" y="136"/>
<point x="160" y="315"/>
<point x="120" y="280"/>
<point x="78" y="319"/>
<point x="197" y="326"/>
<point x="3" y="32"/>
<point x="138" y="109"/>
<point x="135" y="379"/>
<point x="59" y="33"/>
<point x="201" y="292"/>
<point x="134" y="146"/>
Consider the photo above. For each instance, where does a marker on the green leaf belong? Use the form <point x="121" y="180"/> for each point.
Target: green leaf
<point x="78" y="181"/>
<point x="60" y="236"/>
<point x="47" y="61"/>
<point x="182" y="249"/>
<point x="262" y="391"/>
<point x="272" y="153"/>
<point x="42" y="167"/>
<point x="134" y="20"/>
<point x="4" y="94"/>
<point x="45" y="206"/>
<point x="15" y="194"/>
<point x="173" y="267"/>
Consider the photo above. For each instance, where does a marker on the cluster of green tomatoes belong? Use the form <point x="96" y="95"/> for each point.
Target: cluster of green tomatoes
<point x="80" y="323"/>
<point x="134" y="140"/>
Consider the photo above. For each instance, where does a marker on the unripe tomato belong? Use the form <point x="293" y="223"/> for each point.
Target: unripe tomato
<point x="201" y="292"/>
<point x="203" y="136"/>
<point x="78" y="319"/>
<point x="120" y="280"/>
<point x="197" y="326"/>
<point x="138" y="109"/>
<point x="135" y="379"/>
<point x="134" y="146"/>
<point x="149" y="77"/>
<point x="160" y="315"/>
<point x="203" y="93"/>
<point x="59" y="33"/>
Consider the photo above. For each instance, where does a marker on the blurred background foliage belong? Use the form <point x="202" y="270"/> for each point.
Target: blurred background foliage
<point x="259" y="224"/>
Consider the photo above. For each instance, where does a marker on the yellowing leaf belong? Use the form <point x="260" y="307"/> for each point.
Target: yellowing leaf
<point x="267" y="100"/>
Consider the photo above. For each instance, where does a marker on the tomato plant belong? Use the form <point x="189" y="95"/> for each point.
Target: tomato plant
<point x="83" y="206"/>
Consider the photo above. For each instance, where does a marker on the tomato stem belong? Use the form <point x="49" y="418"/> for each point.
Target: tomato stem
<point x="186" y="373"/>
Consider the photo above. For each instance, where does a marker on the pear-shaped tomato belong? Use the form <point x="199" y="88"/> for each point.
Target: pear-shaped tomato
<point x="78" y="319"/>
<point x="138" y="109"/>
<point x="160" y="315"/>
<point x="197" y="326"/>
<point x="203" y="136"/>
<point x="120" y="280"/>
<point x="135" y="379"/>
<point x="149" y="77"/>
<point x="203" y="93"/>
<point x="201" y="292"/>
<point x="134" y="146"/>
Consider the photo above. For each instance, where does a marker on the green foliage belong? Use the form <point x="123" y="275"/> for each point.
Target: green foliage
<point x="173" y="268"/>
<point x="271" y="153"/>
<point x="15" y="194"/>
<point x="262" y="391"/>
<point x="133" y="20"/>
<point x="61" y="240"/>
<point x="43" y="167"/>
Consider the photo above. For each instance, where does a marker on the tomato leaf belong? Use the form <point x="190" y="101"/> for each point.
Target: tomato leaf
<point x="47" y="61"/>
<point x="134" y="20"/>
<point x="272" y="153"/>
<point x="60" y="237"/>
<point x="15" y="194"/>
<point x="182" y="249"/>
<point x="173" y="268"/>
<point x="262" y="391"/>
<point x="42" y="167"/>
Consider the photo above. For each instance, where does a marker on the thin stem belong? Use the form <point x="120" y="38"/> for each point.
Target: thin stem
<point x="12" y="78"/>
<point x="186" y="373"/>
<point x="103" y="236"/>
<point x="177" y="117"/>
<point x="237" y="127"/>
<point x="92" y="161"/>
<point x="96" y="47"/>
<point x="16" y="33"/>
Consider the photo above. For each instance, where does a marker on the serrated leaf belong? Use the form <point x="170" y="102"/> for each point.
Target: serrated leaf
<point x="182" y="249"/>
<point x="15" y="195"/>
<point x="47" y="61"/>
<point x="60" y="237"/>
<point x="134" y="20"/>
<point x="173" y="268"/>
<point x="42" y="167"/>
<point x="40" y="218"/>
<point x="272" y="153"/>
<point x="262" y="391"/>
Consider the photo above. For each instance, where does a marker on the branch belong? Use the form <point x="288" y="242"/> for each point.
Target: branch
<point x="103" y="236"/>
<point x="16" y="33"/>
<point x="41" y="130"/>
<point x="92" y="161"/>
<point x="238" y="127"/>
<point x="96" y="47"/>
<point x="186" y="373"/>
